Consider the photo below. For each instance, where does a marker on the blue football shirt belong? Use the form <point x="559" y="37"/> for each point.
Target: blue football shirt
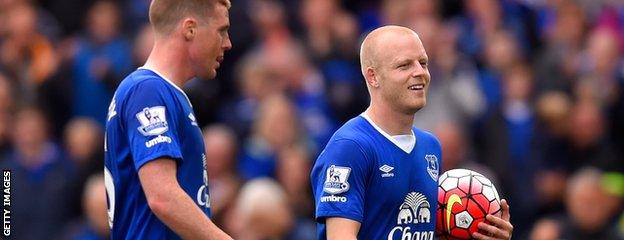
<point x="149" y="118"/>
<point x="364" y="176"/>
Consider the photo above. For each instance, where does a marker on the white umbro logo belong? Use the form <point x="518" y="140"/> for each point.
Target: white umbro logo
<point x="387" y="171"/>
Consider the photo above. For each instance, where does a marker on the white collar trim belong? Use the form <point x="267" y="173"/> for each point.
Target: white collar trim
<point x="168" y="81"/>
<point x="407" y="142"/>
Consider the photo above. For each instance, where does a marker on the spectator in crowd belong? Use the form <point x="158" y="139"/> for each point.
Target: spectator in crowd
<point x="223" y="180"/>
<point x="545" y="229"/>
<point x="590" y="144"/>
<point x="27" y="55"/>
<point x="6" y="105"/>
<point x="500" y="54"/>
<point x="5" y="120"/>
<point x="591" y="211"/>
<point x="84" y="141"/>
<point x="293" y="171"/>
<point x="507" y="144"/>
<point x="263" y="212"/>
<point x="286" y="59"/>
<point x="41" y="179"/>
<point x="83" y="144"/>
<point x="255" y="82"/>
<point x="68" y="13"/>
<point x="293" y="167"/>
<point x="206" y="99"/>
<point x="533" y="90"/>
<point x="94" y="226"/>
<point x="318" y="18"/>
<point x="482" y="19"/>
<point x="616" y="118"/>
<point x="408" y="12"/>
<point x="331" y="41"/>
<point x="601" y="70"/>
<point x="269" y="20"/>
<point x="6" y="93"/>
<point x="102" y="58"/>
<point x="551" y="149"/>
<point x="558" y="63"/>
<point x="457" y="153"/>
<point x="276" y="127"/>
<point x="331" y="33"/>
<point x="134" y="13"/>
<point x="304" y="85"/>
<point x="142" y="45"/>
<point x="455" y="95"/>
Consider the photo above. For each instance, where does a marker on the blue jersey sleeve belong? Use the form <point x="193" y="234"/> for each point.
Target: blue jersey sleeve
<point x="151" y="124"/>
<point x="339" y="179"/>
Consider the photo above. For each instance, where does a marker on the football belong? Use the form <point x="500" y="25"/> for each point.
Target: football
<point x="465" y="197"/>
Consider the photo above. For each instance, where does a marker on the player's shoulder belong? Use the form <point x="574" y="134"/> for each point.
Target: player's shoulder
<point x="141" y="80"/>
<point x="349" y="144"/>
<point x="426" y="137"/>
<point x="355" y="134"/>
<point x="354" y="130"/>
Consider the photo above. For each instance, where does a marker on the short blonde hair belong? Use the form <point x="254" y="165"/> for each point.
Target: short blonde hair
<point x="164" y="14"/>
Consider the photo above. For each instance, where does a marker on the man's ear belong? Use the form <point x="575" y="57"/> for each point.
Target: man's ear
<point x="371" y="77"/>
<point x="189" y="28"/>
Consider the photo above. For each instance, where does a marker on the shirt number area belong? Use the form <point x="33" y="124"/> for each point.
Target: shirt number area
<point x="110" y="196"/>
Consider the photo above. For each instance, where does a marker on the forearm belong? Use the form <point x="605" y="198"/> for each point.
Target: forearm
<point x="184" y="217"/>
<point x="342" y="229"/>
<point x="172" y="205"/>
<point x="331" y="236"/>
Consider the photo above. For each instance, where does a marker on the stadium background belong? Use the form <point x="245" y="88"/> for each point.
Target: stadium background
<point x="528" y="92"/>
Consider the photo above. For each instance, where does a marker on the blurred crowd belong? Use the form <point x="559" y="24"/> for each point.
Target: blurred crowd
<point x="527" y="92"/>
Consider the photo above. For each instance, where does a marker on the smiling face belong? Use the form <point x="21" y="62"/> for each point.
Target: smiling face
<point x="210" y="43"/>
<point x="395" y="66"/>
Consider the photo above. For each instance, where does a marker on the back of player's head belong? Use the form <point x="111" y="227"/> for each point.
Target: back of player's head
<point x="165" y="14"/>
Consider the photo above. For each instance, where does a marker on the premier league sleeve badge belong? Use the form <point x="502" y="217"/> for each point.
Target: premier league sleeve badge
<point x="336" y="180"/>
<point x="153" y="121"/>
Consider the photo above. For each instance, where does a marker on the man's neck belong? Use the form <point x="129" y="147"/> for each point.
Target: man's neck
<point x="391" y="121"/>
<point x="168" y="58"/>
